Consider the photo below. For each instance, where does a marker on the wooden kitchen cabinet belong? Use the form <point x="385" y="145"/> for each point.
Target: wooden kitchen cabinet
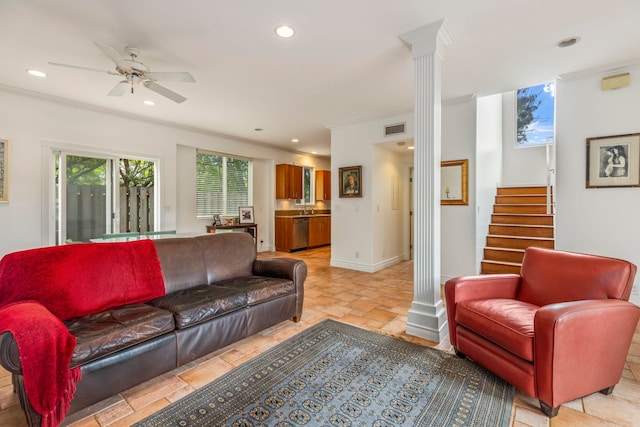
<point x="284" y="234"/>
<point x="319" y="231"/>
<point x="288" y="181"/>
<point x="323" y="185"/>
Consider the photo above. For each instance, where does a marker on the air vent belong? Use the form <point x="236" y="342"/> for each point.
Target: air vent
<point x="394" y="129"/>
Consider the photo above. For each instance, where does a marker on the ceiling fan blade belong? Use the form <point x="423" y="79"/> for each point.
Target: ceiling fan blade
<point x="120" y="89"/>
<point x="171" y="77"/>
<point x="115" y="57"/>
<point x="58" y="64"/>
<point x="161" y="90"/>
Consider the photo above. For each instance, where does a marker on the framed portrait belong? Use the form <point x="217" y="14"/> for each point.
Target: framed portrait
<point x="613" y="161"/>
<point x="454" y="182"/>
<point x="217" y="221"/>
<point x="350" y="181"/>
<point x="246" y="215"/>
<point x="4" y="171"/>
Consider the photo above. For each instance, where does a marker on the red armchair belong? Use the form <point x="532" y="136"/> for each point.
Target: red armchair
<point x="558" y="331"/>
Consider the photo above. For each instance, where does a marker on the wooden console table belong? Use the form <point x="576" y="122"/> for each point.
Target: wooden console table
<point x="254" y="227"/>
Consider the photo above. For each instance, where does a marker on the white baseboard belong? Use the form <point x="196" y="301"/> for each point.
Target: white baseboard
<point x="367" y="268"/>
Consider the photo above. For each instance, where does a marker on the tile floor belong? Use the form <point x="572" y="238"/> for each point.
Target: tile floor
<point x="378" y="302"/>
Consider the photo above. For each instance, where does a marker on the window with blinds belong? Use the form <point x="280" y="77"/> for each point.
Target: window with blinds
<point x="223" y="184"/>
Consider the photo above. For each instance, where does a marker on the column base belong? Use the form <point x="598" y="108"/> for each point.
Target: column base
<point x="428" y="321"/>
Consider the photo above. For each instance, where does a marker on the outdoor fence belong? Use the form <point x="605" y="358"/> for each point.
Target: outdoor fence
<point x="87" y="211"/>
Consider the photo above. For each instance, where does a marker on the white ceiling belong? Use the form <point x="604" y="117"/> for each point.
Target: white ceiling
<point x="346" y="62"/>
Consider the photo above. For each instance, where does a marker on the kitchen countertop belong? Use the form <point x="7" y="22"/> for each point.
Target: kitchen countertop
<point x="302" y="216"/>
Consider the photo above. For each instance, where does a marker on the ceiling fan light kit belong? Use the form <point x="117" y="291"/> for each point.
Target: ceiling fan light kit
<point x="136" y="72"/>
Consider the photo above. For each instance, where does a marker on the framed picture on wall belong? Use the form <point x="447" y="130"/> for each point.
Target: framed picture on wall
<point x="613" y="161"/>
<point x="350" y="181"/>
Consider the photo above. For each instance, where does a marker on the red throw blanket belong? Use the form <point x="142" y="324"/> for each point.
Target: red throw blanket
<point x="65" y="282"/>
<point x="37" y="332"/>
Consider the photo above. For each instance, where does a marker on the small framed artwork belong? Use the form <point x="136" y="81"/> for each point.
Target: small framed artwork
<point x="454" y="182"/>
<point x="350" y="181"/>
<point x="4" y="171"/>
<point x="246" y="215"/>
<point x="613" y="161"/>
<point x="217" y="221"/>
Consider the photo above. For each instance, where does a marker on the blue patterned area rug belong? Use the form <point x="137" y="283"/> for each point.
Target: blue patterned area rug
<point x="334" y="374"/>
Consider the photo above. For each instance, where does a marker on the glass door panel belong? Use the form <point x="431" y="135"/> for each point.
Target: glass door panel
<point x="84" y="205"/>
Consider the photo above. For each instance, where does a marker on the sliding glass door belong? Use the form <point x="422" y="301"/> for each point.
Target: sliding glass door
<point x="98" y="195"/>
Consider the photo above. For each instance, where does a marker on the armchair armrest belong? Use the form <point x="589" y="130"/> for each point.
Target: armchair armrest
<point x="285" y="268"/>
<point x="477" y="287"/>
<point x="581" y="347"/>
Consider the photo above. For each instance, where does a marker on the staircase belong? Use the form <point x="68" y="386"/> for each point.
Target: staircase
<point x="519" y="220"/>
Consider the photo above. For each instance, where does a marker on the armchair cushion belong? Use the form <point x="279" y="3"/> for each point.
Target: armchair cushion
<point x="507" y="323"/>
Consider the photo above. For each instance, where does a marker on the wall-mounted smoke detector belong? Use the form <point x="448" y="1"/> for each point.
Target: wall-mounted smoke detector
<point x="394" y="129"/>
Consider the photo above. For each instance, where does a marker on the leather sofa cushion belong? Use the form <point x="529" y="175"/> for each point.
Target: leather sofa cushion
<point x="259" y="288"/>
<point x="508" y="323"/>
<point x="103" y="333"/>
<point x="200" y="303"/>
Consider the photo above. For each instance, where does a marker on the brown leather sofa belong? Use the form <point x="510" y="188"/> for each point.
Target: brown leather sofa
<point x="217" y="292"/>
<point x="558" y="331"/>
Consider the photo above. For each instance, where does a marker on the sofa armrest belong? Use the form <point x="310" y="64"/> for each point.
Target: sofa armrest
<point x="581" y="347"/>
<point x="477" y="287"/>
<point x="9" y="355"/>
<point x="285" y="268"/>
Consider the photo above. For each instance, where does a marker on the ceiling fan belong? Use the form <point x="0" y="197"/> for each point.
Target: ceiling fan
<point x="135" y="72"/>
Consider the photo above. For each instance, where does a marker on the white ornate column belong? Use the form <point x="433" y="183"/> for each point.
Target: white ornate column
<point x="427" y="317"/>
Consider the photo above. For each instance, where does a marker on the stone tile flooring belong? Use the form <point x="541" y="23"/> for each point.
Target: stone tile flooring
<point x="378" y="302"/>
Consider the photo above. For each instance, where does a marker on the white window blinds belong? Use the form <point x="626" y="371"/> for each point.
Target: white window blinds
<point x="222" y="184"/>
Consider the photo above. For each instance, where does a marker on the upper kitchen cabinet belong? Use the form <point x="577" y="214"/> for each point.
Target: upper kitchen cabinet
<point x="288" y="181"/>
<point x="323" y="185"/>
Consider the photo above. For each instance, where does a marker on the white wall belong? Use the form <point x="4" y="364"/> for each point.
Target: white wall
<point x="489" y="160"/>
<point x="32" y="123"/>
<point x="458" y="223"/>
<point x="357" y="240"/>
<point x="525" y="165"/>
<point x="597" y="220"/>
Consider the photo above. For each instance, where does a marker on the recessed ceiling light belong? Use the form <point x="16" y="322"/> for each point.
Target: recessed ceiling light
<point x="285" y="31"/>
<point x="411" y="147"/>
<point x="570" y="41"/>
<point x="149" y="102"/>
<point x="36" y="73"/>
<point x="314" y="152"/>
<point x="258" y="129"/>
<point x="295" y="140"/>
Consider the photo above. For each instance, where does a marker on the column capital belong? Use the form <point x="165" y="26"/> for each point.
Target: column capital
<point x="429" y="39"/>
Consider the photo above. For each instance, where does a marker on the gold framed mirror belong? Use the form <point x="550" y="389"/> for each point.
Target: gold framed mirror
<point x="454" y="182"/>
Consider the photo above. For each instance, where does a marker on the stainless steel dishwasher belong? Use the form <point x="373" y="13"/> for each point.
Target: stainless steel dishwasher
<point x="300" y="233"/>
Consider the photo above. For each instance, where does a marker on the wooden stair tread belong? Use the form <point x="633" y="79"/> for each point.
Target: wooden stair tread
<point x="521" y="225"/>
<point x="490" y="261"/>
<point x="521" y="204"/>
<point x="495" y="248"/>
<point x="527" y="214"/>
<point x="504" y="236"/>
